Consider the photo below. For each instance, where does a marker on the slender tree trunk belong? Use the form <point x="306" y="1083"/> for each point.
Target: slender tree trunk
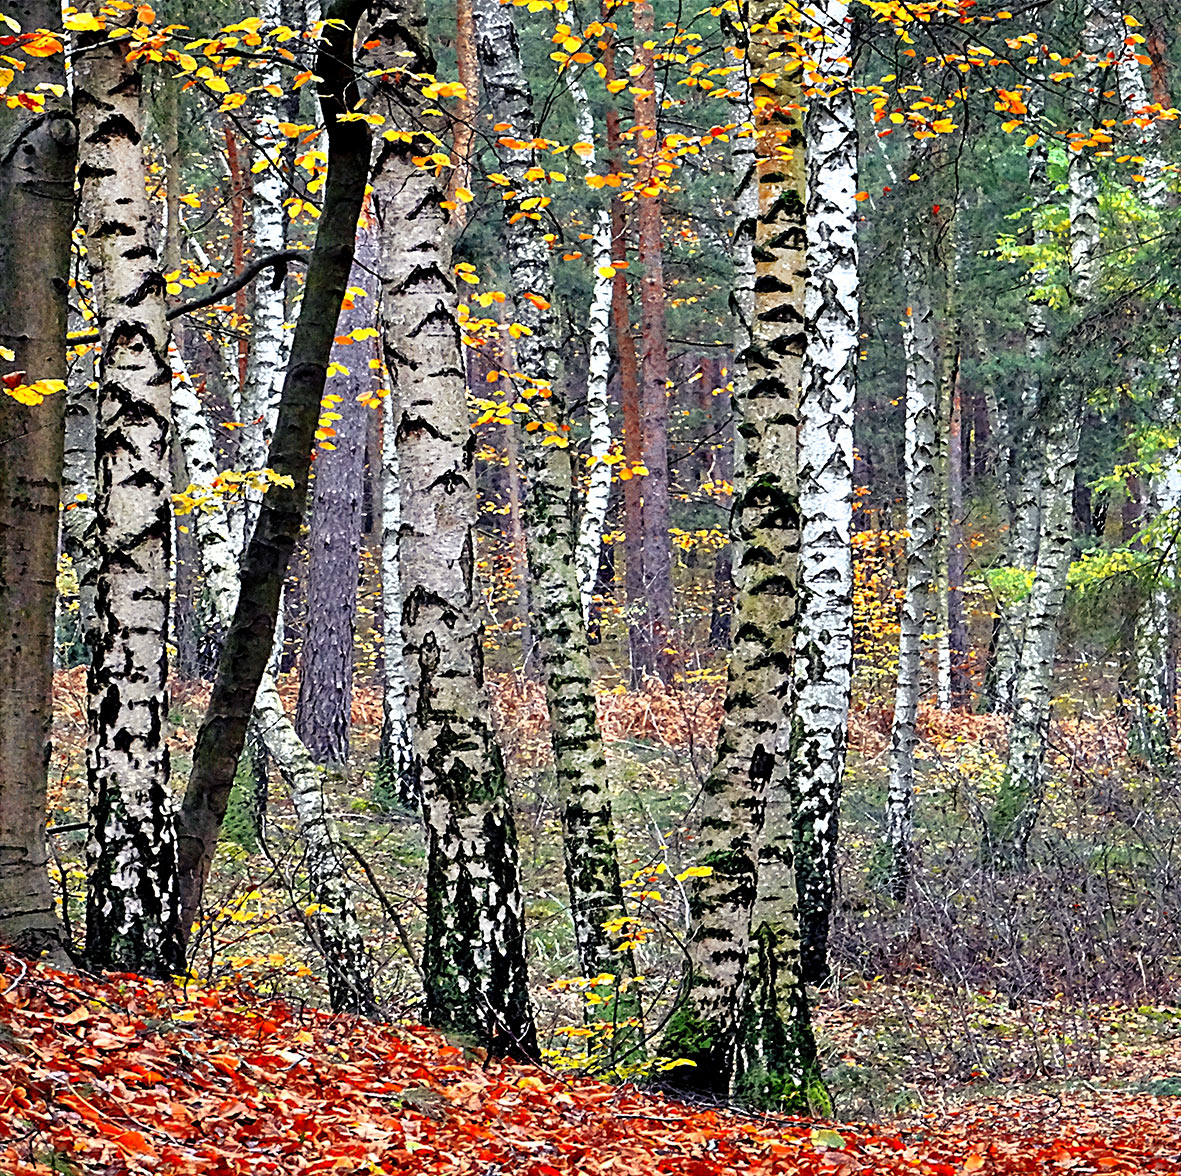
<point x="629" y="399"/>
<point x="323" y="716"/>
<point x="1028" y="456"/>
<point x="598" y="494"/>
<point x="824" y="646"/>
<point x="1012" y="820"/>
<point x="657" y="552"/>
<point x="79" y="488"/>
<point x="133" y="901"/>
<point x="960" y="682"/>
<point x="592" y="869"/>
<point x="921" y="396"/>
<point x="395" y="756"/>
<point x="247" y="648"/>
<point x="334" y="928"/>
<point x="1150" y="735"/>
<point x="464" y="134"/>
<point x="474" y="960"/>
<point x="238" y="185"/>
<point x="270" y="344"/>
<point x="743" y="1013"/>
<point x="36" y="215"/>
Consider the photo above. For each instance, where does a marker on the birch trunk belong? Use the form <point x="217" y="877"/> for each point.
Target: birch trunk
<point x="249" y="640"/>
<point x="598" y="495"/>
<point x="266" y="360"/>
<point x="1028" y="454"/>
<point x="743" y="1015"/>
<point x="824" y="647"/>
<point x="592" y="869"/>
<point x="1150" y="736"/>
<point x="474" y="960"/>
<point x="921" y="397"/>
<point x="1012" y="820"/>
<point x="37" y="153"/>
<point x="132" y="903"/>
<point x="395" y="774"/>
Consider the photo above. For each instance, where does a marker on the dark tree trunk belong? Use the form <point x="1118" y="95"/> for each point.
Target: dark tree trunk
<point x="961" y="682"/>
<point x="247" y="647"/>
<point x="37" y="152"/>
<point x="629" y="399"/>
<point x="657" y="587"/>
<point x="334" y="540"/>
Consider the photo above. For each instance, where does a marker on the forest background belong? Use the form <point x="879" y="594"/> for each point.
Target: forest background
<point x="723" y="390"/>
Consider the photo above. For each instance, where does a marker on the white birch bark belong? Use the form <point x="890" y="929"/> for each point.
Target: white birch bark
<point x="131" y="854"/>
<point x="1015" y="814"/>
<point x="592" y="868"/>
<point x="396" y="751"/>
<point x="1029" y="452"/>
<point x="824" y="646"/>
<point x="474" y="962"/>
<point x="598" y="494"/>
<point x="921" y="395"/>
<point x="266" y="361"/>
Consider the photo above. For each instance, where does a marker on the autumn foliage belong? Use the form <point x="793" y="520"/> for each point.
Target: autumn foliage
<point x="127" y="1076"/>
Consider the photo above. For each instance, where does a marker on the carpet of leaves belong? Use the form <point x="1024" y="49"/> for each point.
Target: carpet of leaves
<point x="122" y="1075"/>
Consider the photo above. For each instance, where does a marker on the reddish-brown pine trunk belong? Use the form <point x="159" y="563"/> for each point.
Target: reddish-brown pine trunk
<point x="629" y="396"/>
<point x="658" y="592"/>
<point x="961" y="682"/>
<point x="465" y="108"/>
<point x="238" y="244"/>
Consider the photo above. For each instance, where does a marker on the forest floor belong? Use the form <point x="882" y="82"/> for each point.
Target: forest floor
<point x="1027" y="1023"/>
<point x="122" y="1076"/>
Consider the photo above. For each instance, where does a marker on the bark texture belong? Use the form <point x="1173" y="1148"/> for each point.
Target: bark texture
<point x="598" y="493"/>
<point x="133" y="900"/>
<point x="592" y="869"/>
<point x="1015" y="814"/>
<point x="324" y="712"/>
<point x="37" y="153"/>
<point x="474" y="960"/>
<point x="824" y="646"/>
<point x="921" y="397"/>
<point x="743" y="1014"/>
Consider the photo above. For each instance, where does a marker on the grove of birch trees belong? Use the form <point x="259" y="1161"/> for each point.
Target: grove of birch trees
<point x="594" y="527"/>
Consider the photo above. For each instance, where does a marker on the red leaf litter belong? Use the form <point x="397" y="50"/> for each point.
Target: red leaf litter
<point x="122" y="1075"/>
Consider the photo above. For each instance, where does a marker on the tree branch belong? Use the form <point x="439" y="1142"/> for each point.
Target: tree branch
<point x="278" y="261"/>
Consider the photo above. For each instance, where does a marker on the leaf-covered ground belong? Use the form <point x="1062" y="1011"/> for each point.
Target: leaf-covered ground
<point x="124" y="1076"/>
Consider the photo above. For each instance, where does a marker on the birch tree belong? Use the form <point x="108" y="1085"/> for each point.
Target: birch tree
<point x="743" y="1014"/>
<point x="246" y="652"/>
<point x="395" y="774"/>
<point x="1014" y="815"/>
<point x="474" y="959"/>
<point x="598" y="494"/>
<point x="592" y="869"/>
<point x="1029" y="453"/>
<point x="36" y="215"/>
<point x="921" y="396"/>
<point x="824" y="648"/>
<point x="132" y="904"/>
